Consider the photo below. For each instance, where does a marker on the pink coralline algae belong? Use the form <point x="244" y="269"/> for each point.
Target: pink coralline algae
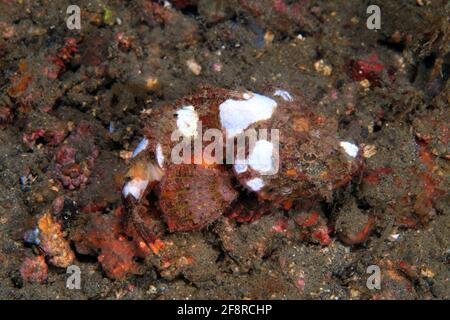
<point x="369" y="69"/>
<point x="34" y="269"/>
<point x="75" y="158"/>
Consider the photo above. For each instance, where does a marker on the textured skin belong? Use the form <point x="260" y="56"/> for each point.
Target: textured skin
<point x="312" y="163"/>
<point x="192" y="196"/>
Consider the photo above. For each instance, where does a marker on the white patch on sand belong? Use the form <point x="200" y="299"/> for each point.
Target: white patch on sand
<point x="238" y="115"/>
<point x="159" y="155"/>
<point x="255" y="184"/>
<point x="350" y="148"/>
<point x="260" y="158"/>
<point x="187" y="121"/>
<point x="286" y="96"/>
<point x="140" y="147"/>
<point x="135" y="187"/>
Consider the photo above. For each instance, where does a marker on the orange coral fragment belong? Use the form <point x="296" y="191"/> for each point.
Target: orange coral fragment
<point x="55" y="246"/>
<point x="156" y="246"/>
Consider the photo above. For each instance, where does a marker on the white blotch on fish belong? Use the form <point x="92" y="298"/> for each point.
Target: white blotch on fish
<point x="187" y="121"/>
<point x="238" y="115"/>
<point x="159" y="155"/>
<point x="135" y="187"/>
<point x="140" y="147"/>
<point x="286" y="96"/>
<point x="261" y="156"/>
<point x="255" y="184"/>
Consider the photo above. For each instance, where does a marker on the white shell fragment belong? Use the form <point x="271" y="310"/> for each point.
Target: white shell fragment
<point x="350" y="148"/>
<point x="238" y="115"/>
<point x="135" y="187"/>
<point x="394" y="237"/>
<point x="194" y="66"/>
<point x="187" y="121"/>
<point x="255" y="184"/>
<point x="260" y="158"/>
<point x="286" y="96"/>
<point x="140" y="147"/>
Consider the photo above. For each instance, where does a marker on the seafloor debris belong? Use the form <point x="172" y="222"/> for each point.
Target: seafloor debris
<point x="34" y="269"/>
<point x="60" y="58"/>
<point x="75" y="159"/>
<point x="413" y="194"/>
<point x="352" y="225"/>
<point x="6" y="115"/>
<point x="53" y="242"/>
<point x="249" y="243"/>
<point x="433" y="130"/>
<point x="118" y="242"/>
<point x="397" y="281"/>
<point x="366" y="69"/>
<point x="313" y="227"/>
<point x="103" y="235"/>
<point x="41" y="128"/>
<point x="194" y="67"/>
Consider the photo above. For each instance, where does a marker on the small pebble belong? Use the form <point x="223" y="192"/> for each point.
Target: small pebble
<point x="268" y="37"/>
<point x="323" y="68"/>
<point x="194" y="66"/>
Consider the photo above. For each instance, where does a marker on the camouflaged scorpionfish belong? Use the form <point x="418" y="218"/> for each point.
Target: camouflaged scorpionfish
<point x="295" y="154"/>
